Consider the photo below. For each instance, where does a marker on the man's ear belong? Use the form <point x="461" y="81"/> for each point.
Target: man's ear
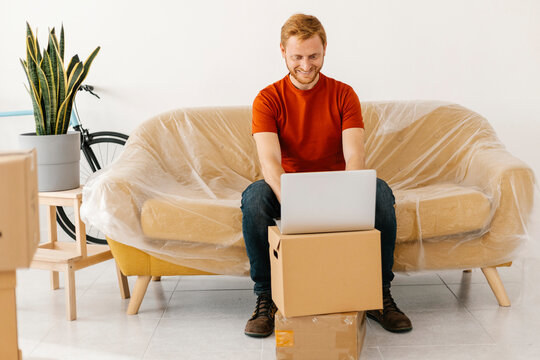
<point x="282" y="50"/>
<point x="324" y="50"/>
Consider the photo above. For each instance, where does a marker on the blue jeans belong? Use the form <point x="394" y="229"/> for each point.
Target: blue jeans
<point x="260" y="207"/>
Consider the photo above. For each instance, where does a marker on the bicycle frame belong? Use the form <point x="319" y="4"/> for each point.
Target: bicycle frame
<point x="73" y="121"/>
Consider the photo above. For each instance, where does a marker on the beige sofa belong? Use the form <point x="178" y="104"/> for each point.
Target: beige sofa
<point x="170" y="204"/>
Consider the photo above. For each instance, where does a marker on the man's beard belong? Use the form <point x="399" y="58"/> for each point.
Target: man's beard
<point x="303" y="80"/>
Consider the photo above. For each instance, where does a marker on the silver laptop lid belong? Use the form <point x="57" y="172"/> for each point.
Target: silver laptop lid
<point x="328" y="201"/>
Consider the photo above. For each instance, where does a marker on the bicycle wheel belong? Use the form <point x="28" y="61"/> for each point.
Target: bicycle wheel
<point x="101" y="151"/>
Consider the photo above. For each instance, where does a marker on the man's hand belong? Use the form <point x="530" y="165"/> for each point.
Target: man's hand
<point x="270" y="158"/>
<point x="353" y="148"/>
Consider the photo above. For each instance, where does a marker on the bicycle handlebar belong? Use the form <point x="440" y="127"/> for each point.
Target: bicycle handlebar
<point x="90" y="89"/>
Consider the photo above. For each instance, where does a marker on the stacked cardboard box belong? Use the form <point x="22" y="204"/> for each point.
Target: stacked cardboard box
<point x="321" y="284"/>
<point x="19" y="237"/>
<point x="19" y="209"/>
<point x="320" y="337"/>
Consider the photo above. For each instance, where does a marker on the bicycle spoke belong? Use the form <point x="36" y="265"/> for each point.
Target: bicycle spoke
<point x="114" y="153"/>
<point x="101" y="156"/>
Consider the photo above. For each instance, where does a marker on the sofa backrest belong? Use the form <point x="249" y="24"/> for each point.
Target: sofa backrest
<point x="204" y="141"/>
<point x="413" y="144"/>
<point x="410" y="144"/>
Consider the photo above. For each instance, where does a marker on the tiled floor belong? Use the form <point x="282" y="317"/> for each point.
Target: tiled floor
<point x="455" y="316"/>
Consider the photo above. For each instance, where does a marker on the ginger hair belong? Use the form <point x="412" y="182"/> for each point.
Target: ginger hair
<point x="303" y="26"/>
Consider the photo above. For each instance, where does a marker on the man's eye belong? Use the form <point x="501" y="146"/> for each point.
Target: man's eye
<point x="297" y="58"/>
<point x="313" y="57"/>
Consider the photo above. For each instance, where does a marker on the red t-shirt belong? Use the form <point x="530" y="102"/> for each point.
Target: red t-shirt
<point x="309" y="123"/>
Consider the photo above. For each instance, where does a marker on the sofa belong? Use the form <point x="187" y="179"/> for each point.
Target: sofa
<point x="170" y="204"/>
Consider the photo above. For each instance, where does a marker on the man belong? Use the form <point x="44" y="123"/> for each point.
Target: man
<point x="308" y="122"/>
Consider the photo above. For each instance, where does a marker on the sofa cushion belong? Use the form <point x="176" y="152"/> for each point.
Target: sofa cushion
<point x="440" y="210"/>
<point x="207" y="222"/>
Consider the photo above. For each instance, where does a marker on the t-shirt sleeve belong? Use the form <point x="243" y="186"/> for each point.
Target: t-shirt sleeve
<point x="351" y="110"/>
<point x="264" y="115"/>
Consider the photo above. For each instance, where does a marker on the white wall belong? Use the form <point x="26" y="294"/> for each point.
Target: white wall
<point x="155" y="56"/>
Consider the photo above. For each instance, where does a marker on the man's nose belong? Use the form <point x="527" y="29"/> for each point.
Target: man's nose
<point x="305" y="65"/>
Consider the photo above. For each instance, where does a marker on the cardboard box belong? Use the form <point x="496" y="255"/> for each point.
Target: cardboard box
<point x="325" y="273"/>
<point x="19" y="209"/>
<point x="321" y="337"/>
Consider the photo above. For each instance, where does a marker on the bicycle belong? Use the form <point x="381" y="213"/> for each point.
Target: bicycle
<point x="99" y="149"/>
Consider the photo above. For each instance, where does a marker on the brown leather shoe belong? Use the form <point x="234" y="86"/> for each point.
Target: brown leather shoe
<point x="390" y="317"/>
<point x="261" y="323"/>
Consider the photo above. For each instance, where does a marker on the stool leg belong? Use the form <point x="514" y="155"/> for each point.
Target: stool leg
<point x="54" y="280"/>
<point x="71" y="302"/>
<point x="80" y="229"/>
<point x="53" y="236"/>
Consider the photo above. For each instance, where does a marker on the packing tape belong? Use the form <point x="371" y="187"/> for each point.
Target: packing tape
<point x="284" y="338"/>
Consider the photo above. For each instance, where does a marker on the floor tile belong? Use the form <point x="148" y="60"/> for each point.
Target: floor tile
<point x="97" y="339"/>
<point x="424" y="297"/>
<point x="512" y="273"/>
<point x="95" y="305"/>
<point x="417" y="278"/>
<point x="461" y="352"/>
<point x="32" y="331"/>
<point x="206" y="355"/>
<point x="434" y="327"/>
<point x="510" y="325"/>
<point x="480" y="296"/>
<point x="185" y="338"/>
<point x="213" y="282"/>
<point x="218" y="304"/>
<point x="371" y="353"/>
<point x="519" y="351"/>
<point x="454" y="315"/>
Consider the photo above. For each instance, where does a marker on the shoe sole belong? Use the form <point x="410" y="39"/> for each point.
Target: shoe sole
<point x="397" y="331"/>
<point x="258" y="335"/>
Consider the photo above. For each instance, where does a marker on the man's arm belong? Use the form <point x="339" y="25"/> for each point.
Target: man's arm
<point x="270" y="157"/>
<point x="353" y="148"/>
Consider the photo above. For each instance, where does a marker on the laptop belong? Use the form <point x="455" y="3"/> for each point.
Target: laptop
<point x="329" y="201"/>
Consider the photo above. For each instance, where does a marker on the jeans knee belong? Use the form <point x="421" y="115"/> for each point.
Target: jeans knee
<point x="257" y="195"/>
<point x="385" y="214"/>
<point x="385" y="195"/>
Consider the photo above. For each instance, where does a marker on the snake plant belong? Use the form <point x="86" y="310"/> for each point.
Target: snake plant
<point x="52" y="86"/>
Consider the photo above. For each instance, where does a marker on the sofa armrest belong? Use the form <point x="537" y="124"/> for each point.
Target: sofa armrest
<point x="113" y="198"/>
<point x="510" y="184"/>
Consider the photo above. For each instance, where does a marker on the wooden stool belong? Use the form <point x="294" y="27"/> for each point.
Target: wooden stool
<point x="69" y="257"/>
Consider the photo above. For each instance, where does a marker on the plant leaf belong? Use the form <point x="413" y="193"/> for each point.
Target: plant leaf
<point x="61" y="81"/>
<point x="53" y="54"/>
<point x="87" y="65"/>
<point x="34" y="95"/>
<point x="73" y="92"/>
<point x="74" y="60"/>
<point x="45" y="100"/>
<point x="31" y="63"/>
<point x="70" y="94"/>
<point x="62" y="43"/>
<point x="48" y="69"/>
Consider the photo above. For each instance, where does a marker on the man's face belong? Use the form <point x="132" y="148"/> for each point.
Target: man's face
<point x="304" y="59"/>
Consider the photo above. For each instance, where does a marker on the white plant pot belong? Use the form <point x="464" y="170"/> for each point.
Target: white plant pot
<point x="58" y="158"/>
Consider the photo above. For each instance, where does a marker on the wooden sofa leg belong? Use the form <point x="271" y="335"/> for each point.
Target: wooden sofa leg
<point x="123" y="283"/>
<point x="494" y="281"/>
<point x="138" y="294"/>
<point x="156" y="278"/>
